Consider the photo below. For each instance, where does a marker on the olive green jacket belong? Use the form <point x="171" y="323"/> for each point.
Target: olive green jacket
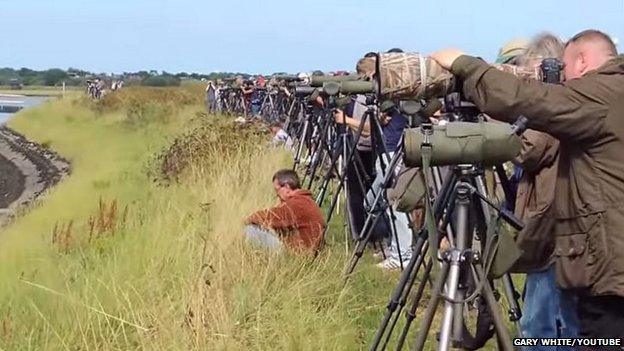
<point x="587" y="116"/>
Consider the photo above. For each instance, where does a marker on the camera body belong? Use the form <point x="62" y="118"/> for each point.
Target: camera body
<point x="551" y="70"/>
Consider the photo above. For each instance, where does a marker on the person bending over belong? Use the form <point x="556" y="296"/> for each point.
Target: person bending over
<point x="585" y="114"/>
<point x="297" y="222"/>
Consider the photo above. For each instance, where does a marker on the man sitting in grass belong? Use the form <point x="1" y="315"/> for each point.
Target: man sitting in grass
<point x="297" y="222"/>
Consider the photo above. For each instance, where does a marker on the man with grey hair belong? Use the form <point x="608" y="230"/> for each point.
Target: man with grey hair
<point x="296" y="222"/>
<point x="548" y="311"/>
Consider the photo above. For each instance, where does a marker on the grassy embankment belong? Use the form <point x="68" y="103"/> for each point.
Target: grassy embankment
<point x="112" y="260"/>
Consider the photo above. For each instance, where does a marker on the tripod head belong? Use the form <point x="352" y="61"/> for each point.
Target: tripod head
<point x="459" y="110"/>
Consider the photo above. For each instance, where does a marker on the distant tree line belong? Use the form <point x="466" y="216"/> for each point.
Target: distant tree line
<point x="77" y="77"/>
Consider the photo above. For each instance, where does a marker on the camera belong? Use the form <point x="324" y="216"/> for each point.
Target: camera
<point x="551" y="70"/>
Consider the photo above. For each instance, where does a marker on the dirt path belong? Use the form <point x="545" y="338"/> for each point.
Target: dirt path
<point x="26" y="170"/>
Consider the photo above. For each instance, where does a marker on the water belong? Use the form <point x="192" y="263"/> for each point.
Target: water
<point x="25" y="101"/>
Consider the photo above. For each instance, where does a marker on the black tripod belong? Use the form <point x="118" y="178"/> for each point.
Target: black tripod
<point x="380" y="204"/>
<point x="320" y="146"/>
<point x="304" y="124"/>
<point x="346" y="151"/>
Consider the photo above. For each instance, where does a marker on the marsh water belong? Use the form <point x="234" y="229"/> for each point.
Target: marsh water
<point x="18" y="100"/>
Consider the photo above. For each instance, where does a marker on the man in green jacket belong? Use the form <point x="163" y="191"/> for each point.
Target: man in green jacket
<point x="586" y="114"/>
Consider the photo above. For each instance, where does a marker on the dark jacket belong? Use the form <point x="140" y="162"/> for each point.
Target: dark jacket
<point x="298" y="219"/>
<point x="539" y="159"/>
<point x="587" y="116"/>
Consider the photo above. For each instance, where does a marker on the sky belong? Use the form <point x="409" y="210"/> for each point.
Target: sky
<point x="266" y="36"/>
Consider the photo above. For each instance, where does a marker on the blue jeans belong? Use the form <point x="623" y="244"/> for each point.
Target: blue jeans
<point x="255" y="109"/>
<point x="549" y="312"/>
<point x="263" y="238"/>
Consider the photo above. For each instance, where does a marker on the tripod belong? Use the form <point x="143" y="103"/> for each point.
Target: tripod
<point x="345" y="151"/>
<point x="350" y="156"/>
<point x="346" y="148"/>
<point x="458" y="196"/>
<point x="304" y="123"/>
<point x="319" y="146"/>
<point x="380" y="204"/>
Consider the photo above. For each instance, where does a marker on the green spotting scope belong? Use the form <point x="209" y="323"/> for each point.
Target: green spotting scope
<point x="485" y="143"/>
<point x="349" y="87"/>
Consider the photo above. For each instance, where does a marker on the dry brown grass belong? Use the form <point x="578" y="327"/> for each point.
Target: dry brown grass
<point x="107" y="220"/>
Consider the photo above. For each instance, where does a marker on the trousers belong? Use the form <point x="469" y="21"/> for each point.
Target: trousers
<point x="549" y="312"/>
<point x="263" y="238"/>
<point x="401" y="245"/>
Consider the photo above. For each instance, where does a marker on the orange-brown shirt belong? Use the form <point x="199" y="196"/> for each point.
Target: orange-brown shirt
<point x="298" y="220"/>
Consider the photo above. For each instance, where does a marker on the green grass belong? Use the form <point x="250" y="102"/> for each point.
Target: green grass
<point x="174" y="274"/>
<point x="120" y="257"/>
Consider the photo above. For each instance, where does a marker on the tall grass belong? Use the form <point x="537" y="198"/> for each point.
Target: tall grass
<point x="111" y="259"/>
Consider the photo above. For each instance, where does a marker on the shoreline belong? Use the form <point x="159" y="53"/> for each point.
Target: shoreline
<point x="27" y="171"/>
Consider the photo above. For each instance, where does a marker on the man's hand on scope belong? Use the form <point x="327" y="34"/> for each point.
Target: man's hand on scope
<point x="446" y="57"/>
<point x="319" y="101"/>
<point x="339" y="116"/>
<point x="384" y="118"/>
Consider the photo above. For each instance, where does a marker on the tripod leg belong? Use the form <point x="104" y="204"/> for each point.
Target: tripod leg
<point x="501" y="330"/>
<point x="302" y="141"/>
<point x="511" y="295"/>
<point x="331" y="150"/>
<point x="431" y="308"/>
<point x="320" y="147"/>
<point x="403" y="302"/>
<point x="333" y="167"/>
<point x="374" y="212"/>
<point x="400" y="292"/>
<point x="411" y="314"/>
<point x="350" y="154"/>
<point x="452" y="310"/>
<point x="332" y="206"/>
<point x="367" y="230"/>
<point x="311" y="149"/>
<point x="318" y="156"/>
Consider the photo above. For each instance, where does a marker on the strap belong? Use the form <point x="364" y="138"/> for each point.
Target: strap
<point x="423" y="76"/>
<point x="426" y="151"/>
<point x="423" y="70"/>
<point x="491" y="244"/>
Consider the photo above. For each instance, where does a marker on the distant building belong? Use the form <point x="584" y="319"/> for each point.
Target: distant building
<point x="16" y="84"/>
